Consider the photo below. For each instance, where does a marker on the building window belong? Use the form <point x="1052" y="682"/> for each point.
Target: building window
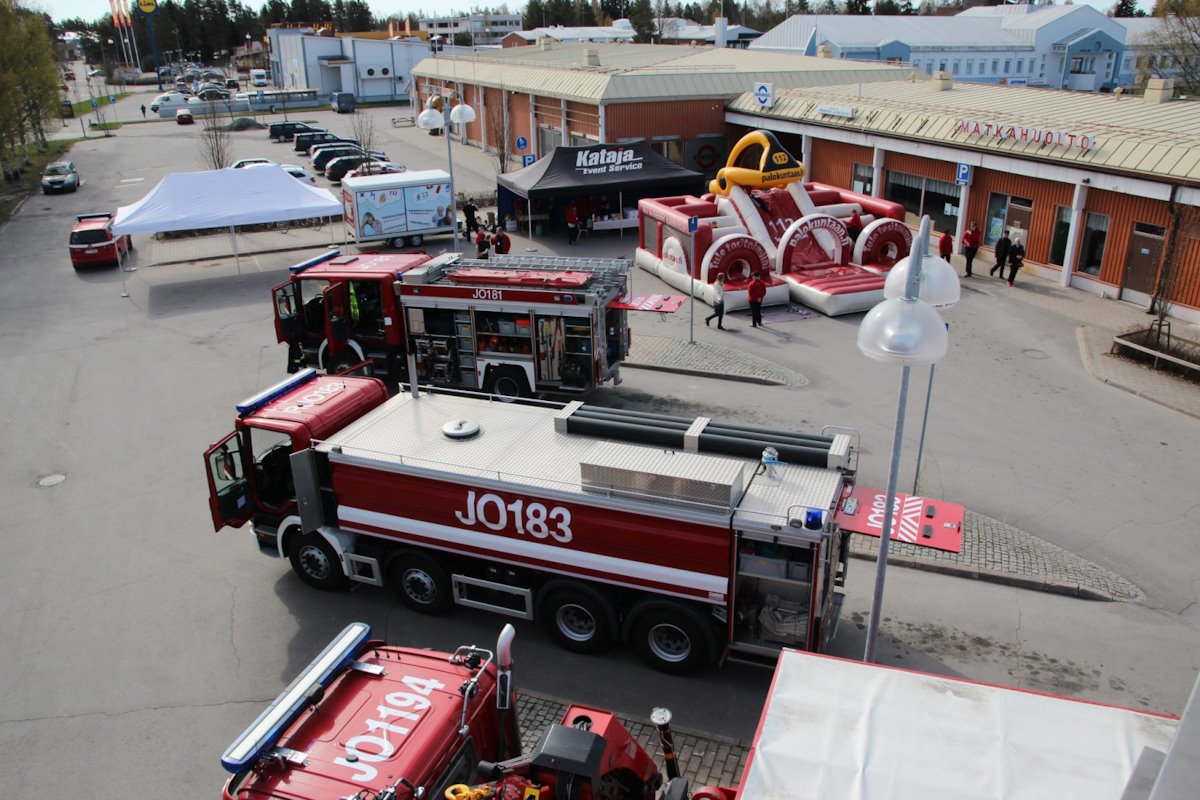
<point x="1020" y="65"/>
<point x="955" y="71"/>
<point x="942" y="66"/>
<point x="921" y="196"/>
<point x="982" y="66"/>
<point x="672" y="149"/>
<point x="1058" y="240"/>
<point x="995" y="66"/>
<point x="1007" y="65"/>
<point x="1095" y="232"/>
<point x="970" y="67"/>
<point x="863" y="179"/>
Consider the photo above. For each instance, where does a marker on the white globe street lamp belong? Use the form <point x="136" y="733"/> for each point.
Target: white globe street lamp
<point x="438" y="113"/>
<point x="904" y="329"/>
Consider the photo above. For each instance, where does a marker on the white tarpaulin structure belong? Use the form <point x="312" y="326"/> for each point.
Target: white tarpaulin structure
<point x="225" y="198"/>
<point x="834" y="728"/>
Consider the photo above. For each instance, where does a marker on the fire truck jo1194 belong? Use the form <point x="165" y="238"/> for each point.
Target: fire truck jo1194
<point x="689" y="540"/>
<point x="513" y="325"/>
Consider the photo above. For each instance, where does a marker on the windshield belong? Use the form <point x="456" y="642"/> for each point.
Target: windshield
<point x="57" y="169"/>
<point x="93" y="236"/>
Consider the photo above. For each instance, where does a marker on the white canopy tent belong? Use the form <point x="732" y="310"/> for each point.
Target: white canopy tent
<point x="224" y="198"/>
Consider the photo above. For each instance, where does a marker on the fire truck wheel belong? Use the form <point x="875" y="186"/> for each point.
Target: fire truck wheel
<point x="509" y="384"/>
<point x="421" y="582"/>
<point x="344" y="360"/>
<point x="578" y="619"/>
<point x="315" y="561"/>
<point x="671" y="638"/>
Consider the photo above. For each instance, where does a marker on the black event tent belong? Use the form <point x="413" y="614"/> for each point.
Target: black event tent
<point x="631" y="169"/>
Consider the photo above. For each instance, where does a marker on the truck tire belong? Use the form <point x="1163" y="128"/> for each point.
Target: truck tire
<point x="671" y="638"/>
<point x="316" y="562"/>
<point x="344" y="360"/>
<point x="577" y="618"/>
<point x="421" y="582"/>
<point x="508" y="384"/>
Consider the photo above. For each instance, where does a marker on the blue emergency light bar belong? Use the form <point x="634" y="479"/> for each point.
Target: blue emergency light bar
<point x="278" y="390"/>
<point x="312" y="262"/>
<point x="265" y="731"/>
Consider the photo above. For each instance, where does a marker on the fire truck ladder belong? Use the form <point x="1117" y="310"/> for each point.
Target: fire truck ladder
<point x="612" y="273"/>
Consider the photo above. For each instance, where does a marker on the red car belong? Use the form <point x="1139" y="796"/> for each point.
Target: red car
<point x="92" y="241"/>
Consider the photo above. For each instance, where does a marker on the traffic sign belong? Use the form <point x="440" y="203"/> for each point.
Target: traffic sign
<point x="260" y="96"/>
<point x="764" y="94"/>
<point x="963" y="177"/>
<point x="112" y="99"/>
<point x="147" y="6"/>
<point x="522" y="143"/>
<point x="528" y="159"/>
<point x="95" y="105"/>
<point x="693" y="224"/>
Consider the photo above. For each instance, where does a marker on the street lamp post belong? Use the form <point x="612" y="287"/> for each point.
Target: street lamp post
<point x="438" y="113"/>
<point x="904" y="329"/>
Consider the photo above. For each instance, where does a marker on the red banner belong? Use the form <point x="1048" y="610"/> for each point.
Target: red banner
<point x="915" y="520"/>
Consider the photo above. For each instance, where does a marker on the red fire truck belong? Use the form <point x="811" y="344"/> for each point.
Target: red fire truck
<point x="688" y="539"/>
<point x="372" y="721"/>
<point x="513" y="325"/>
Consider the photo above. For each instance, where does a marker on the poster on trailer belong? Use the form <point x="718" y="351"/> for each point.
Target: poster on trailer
<point x="389" y="211"/>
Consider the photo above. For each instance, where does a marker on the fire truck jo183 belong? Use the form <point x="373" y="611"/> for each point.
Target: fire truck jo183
<point x="513" y="325"/>
<point x="690" y="540"/>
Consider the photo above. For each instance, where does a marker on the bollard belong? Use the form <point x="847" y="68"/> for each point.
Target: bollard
<point x="661" y="717"/>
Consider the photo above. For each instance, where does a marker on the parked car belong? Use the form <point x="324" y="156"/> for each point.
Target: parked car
<point x="286" y="131"/>
<point x="305" y="141"/>
<point x="60" y="176"/>
<point x="376" y="168"/>
<point x="212" y="93"/>
<point x="168" y="100"/>
<point x="336" y="170"/>
<point x="183" y="116"/>
<point x="342" y="102"/>
<point x="92" y="241"/>
<point x="96" y="73"/>
<point x="253" y="162"/>
<point x="322" y="157"/>
<point x="297" y="172"/>
<point x="232" y="83"/>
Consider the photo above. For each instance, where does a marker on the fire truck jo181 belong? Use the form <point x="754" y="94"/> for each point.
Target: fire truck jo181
<point x="513" y="325"/>
<point x="690" y="540"/>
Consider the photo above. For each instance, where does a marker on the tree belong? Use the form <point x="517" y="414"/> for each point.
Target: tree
<point x="1126" y="8"/>
<point x="29" y="93"/>
<point x="641" y="17"/>
<point x="887" y="8"/>
<point x="857" y="7"/>
<point x="1176" y="41"/>
<point x="907" y="8"/>
<point x="216" y="149"/>
<point x="499" y="130"/>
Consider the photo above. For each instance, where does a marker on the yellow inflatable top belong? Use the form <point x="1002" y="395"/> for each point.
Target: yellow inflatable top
<point x="758" y="161"/>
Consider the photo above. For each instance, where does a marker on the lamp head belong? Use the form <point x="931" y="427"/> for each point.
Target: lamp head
<point x="937" y="285"/>
<point x="906" y="332"/>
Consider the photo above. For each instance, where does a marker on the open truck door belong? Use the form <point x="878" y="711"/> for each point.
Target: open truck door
<point x="229" y="497"/>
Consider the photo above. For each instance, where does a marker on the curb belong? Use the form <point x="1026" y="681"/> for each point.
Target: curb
<point x="703" y="373"/>
<point x="1089" y="363"/>
<point x="248" y="253"/>
<point x="993" y="576"/>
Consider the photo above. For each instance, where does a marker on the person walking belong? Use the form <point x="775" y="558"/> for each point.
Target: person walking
<point x="571" y="217"/>
<point x="143" y="110"/>
<point x="971" y="245"/>
<point x="1003" y="245"/>
<point x="946" y="245"/>
<point x="718" y="302"/>
<point x="756" y="292"/>
<point x="1016" y="258"/>
<point x="470" y="210"/>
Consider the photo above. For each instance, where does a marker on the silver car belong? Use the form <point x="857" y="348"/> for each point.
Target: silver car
<point x="60" y="176"/>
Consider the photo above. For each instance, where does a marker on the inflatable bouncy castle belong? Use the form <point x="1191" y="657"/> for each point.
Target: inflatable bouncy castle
<point x="760" y="216"/>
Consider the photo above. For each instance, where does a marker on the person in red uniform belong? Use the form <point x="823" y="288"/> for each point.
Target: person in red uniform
<point x="571" y="217"/>
<point x="483" y="244"/>
<point x="854" y="226"/>
<point x="756" y="292"/>
<point x="946" y="245"/>
<point x="501" y="244"/>
<point x="970" y="245"/>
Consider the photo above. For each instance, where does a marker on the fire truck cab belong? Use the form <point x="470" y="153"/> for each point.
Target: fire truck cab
<point x="515" y="326"/>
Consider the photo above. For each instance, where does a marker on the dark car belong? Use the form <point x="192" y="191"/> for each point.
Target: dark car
<point x="336" y="170"/>
<point x="326" y="154"/>
<point x="306" y="140"/>
<point x="286" y="131"/>
<point x="60" y="176"/>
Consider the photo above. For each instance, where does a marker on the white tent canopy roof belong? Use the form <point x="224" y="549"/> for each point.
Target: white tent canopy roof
<point x="221" y="198"/>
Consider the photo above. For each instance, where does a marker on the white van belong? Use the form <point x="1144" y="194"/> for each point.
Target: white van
<point x="258" y="77"/>
<point x="167" y="103"/>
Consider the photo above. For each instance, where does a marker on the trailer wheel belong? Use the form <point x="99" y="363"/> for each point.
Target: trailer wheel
<point x="509" y="384"/>
<point x="421" y="582"/>
<point x="671" y="638"/>
<point x="415" y="240"/>
<point x="316" y="562"/>
<point x="399" y="242"/>
<point x="577" y="619"/>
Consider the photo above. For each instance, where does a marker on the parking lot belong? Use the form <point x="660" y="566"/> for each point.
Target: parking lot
<point x="141" y="641"/>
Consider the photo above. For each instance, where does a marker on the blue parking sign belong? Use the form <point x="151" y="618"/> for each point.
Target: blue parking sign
<point x="112" y="99"/>
<point x="528" y="159"/>
<point x="95" y="105"/>
<point x="963" y="176"/>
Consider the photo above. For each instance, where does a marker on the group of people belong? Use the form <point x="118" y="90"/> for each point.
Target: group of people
<point x="487" y="240"/>
<point x="756" y="291"/>
<point x="1009" y="252"/>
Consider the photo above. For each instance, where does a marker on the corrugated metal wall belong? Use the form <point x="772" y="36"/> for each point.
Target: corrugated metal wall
<point x="1122" y="210"/>
<point x="833" y="162"/>
<point x="917" y="165"/>
<point x="1047" y="196"/>
<point x="1186" y="283"/>
<point x="686" y="119"/>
